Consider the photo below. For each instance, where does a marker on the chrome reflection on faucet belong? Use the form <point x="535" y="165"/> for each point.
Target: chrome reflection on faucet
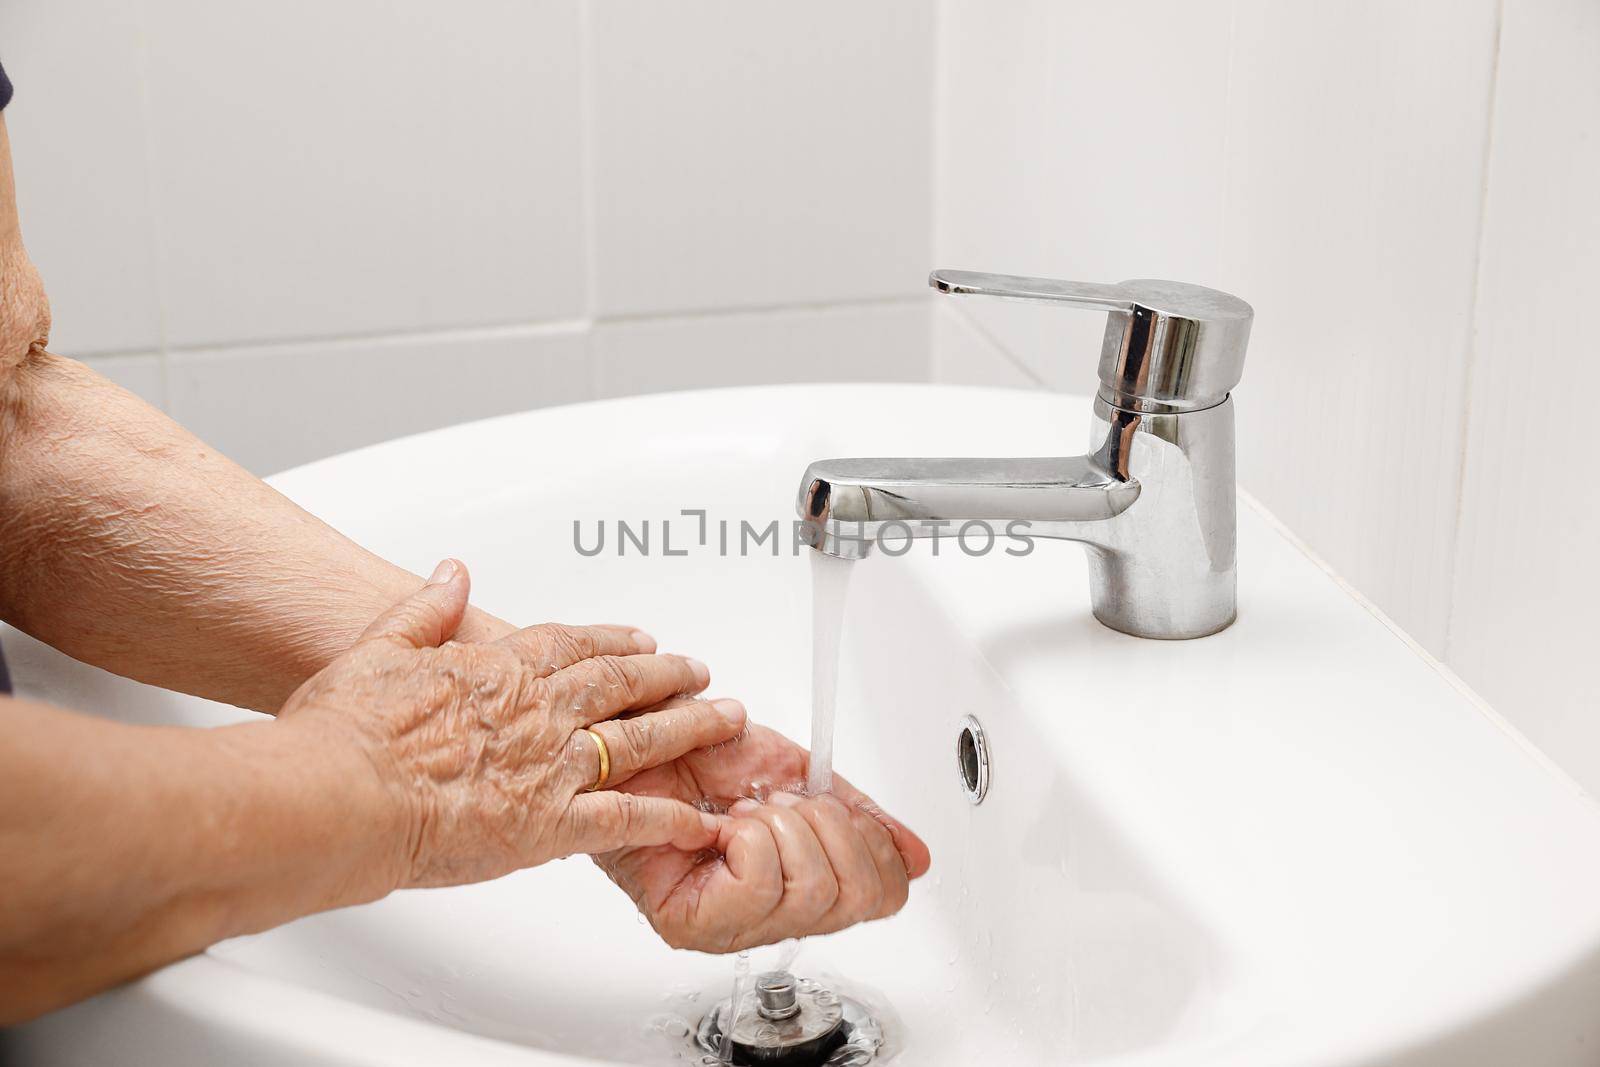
<point x="1153" y="502"/>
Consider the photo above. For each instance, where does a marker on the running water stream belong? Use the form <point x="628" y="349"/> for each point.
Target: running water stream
<point x="830" y="587"/>
<point x="741" y="977"/>
<point x="787" y="951"/>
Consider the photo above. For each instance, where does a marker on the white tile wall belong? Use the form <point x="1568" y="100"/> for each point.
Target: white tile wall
<point x="885" y="341"/>
<point x="760" y="152"/>
<point x="77" y="141"/>
<point x="143" y="374"/>
<point x="1527" y="586"/>
<point x="965" y="353"/>
<point x="314" y="225"/>
<point x="327" y="169"/>
<point x="1355" y="189"/>
<point x="325" y="397"/>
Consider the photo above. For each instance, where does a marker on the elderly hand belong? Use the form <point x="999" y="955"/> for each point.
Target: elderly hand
<point x="480" y="752"/>
<point x="482" y="762"/>
<point x="789" y="867"/>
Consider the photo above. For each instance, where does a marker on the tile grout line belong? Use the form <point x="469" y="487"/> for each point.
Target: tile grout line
<point x="533" y="328"/>
<point x="937" y="192"/>
<point x="153" y="207"/>
<point x="842" y="304"/>
<point x="1227" y="135"/>
<point x="588" y="168"/>
<point x="988" y="338"/>
<point x="1469" y="374"/>
<point x="549" y="328"/>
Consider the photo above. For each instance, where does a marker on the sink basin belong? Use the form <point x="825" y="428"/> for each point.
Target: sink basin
<point x="1296" y="842"/>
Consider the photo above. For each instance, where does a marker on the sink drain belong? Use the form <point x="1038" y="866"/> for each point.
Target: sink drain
<point x="791" y="1022"/>
<point x="972" y="759"/>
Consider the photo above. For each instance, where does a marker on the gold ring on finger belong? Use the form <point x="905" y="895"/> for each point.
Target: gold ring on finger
<point x="605" y="759"/>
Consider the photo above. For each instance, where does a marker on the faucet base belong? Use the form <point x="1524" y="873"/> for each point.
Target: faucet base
<point x="1165" y="568"/>
<point x="1122" y="624"/>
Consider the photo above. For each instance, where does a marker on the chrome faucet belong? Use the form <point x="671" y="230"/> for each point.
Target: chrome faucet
<point x="1153" y="502"/>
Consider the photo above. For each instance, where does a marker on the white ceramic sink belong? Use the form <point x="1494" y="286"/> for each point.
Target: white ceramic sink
<point x="1295" y="842"/>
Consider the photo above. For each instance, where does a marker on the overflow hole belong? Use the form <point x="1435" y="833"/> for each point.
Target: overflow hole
<point x="972" y="758"/>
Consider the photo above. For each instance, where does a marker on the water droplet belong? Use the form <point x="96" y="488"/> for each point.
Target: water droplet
<point x="673" y="1026"/>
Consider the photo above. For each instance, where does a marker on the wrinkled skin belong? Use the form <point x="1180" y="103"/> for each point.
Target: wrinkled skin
<point x="479" y="752"/>
<point x="24" y="308"/>
<point x="791" y="866"/>
<point x="480" y="760"/>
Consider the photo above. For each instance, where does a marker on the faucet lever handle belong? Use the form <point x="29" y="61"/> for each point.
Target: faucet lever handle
<point x="1016" y="287"/>
<point x="1169" y="346"/>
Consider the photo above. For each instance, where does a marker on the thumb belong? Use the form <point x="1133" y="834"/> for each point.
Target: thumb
<point x="607" y="820"/>
<point x="427" y="617"/>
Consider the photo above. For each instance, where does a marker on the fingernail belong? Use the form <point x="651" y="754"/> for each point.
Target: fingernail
<point x="730" y="709"/>
<point x="710" y="822"/>
<point x="702" y="673"/>
<point x="643" y="641"/>
<point x="784" y="800"/>
<point x="744" y="806"/>
<point x="443" y="572"/>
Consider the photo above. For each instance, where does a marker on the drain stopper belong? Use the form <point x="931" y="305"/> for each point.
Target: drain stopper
<point x="775" y="996"/>
<point x="783" y="1023"/>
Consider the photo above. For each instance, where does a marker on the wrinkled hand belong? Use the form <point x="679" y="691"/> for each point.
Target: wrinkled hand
<point x="479" y="752"/>
<point x="789" y="867"/>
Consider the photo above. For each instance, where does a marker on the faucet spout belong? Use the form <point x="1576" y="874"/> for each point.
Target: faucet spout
<point x="850" y="503"/>
<point x="1153" y="503"/>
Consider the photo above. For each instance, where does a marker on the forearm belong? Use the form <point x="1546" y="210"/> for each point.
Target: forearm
<point x="128" y="543"/>
<point x="123" y="847"/>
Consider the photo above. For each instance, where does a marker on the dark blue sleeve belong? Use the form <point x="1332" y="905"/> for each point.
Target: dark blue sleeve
<point x="5" y="98"/>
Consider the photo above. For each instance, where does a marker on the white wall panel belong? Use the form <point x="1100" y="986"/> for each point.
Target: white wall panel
<point x="760" y="152"/>
<point x="965" y="354"/>
<point x="142" y="374"/>
<point x="1526" y="613"/>
<point x="327" y="169"/>
<point x="858" y="343"/>
<point x="1356" y="139"/>
<point x="78" y="143"/>
<point x="278" y="406"/>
